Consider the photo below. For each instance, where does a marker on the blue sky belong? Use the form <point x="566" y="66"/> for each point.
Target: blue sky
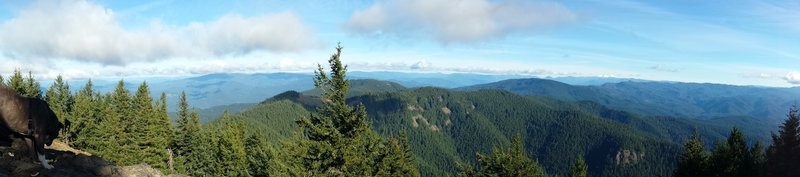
<point x="742" y="42"/>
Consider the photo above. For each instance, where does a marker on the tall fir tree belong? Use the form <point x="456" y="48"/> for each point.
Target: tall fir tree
<point x="113" y="129"/>
<point x="86" y="118"/>
<point x="188" y="144"/>
<point x="145" y="129"/>
<point x="336" y="140"/>
<point x="17" y="83"/>
<point x="694" y="160"/>
<point x="159" y="130"/>
<point x="230" y="149"/>
<point x="60" y="99"/>
<point x="579" y="169"/>
<point x="783" y="154"/>
<point x="32" y="87"/>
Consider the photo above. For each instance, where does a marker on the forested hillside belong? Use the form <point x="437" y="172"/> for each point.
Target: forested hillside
<point x="689" y="100"/>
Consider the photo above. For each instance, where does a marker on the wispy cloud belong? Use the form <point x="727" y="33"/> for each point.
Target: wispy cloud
<point x="663" y="68"/>
<point x="457" y="21"/>
<point x="83" y="31"/>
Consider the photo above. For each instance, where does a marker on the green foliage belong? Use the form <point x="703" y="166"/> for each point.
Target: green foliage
<point x="115" y="126"/>
<point x="784" y="152"/>
<point x="230" y="149"/>
<point x="511" y="161"/>
<point x="694" y="160"/>
<point x="579" y="169"/>
<point x="337" y="140"/>
<point x="189" y="145"/>
<point x="733" y="158"/>
<point x="259" y="154"/>
<point x="60" y="100"/>
<point x="23" y="86"/>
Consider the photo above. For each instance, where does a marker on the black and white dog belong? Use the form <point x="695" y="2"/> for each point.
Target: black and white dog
<point x="29" y="119"/>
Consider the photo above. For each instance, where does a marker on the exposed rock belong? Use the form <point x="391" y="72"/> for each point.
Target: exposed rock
<point x="628" y="157"/>
<point x="446" y="110"/>
<point x="433" y="128"/>
<point x="68" y="162"/>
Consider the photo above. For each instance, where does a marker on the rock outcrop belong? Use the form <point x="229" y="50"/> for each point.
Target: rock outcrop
<point x="68" y="162"/>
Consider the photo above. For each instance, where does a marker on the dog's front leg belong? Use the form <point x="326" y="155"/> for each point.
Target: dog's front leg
<point x="37" y="150"/>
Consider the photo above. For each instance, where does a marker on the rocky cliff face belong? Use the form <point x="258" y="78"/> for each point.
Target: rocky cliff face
<point x="628" y="157"/>
<point x="68" y="162"/>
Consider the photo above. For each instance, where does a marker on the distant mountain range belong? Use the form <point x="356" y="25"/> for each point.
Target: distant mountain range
<point x="689" y="100"/>
<point x="222" y="89"/>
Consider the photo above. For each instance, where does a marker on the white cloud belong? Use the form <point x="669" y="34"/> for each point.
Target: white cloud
<point x="83" y="31"/>
<point x="663" y="68"/>
<point x="457" y="21"/>
<point x="793" y="77"/>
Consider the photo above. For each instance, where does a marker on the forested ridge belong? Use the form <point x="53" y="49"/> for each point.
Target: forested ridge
<point x="379" y="128"/>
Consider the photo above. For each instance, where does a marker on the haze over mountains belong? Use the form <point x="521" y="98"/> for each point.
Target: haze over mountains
<point x="221" y="89"/>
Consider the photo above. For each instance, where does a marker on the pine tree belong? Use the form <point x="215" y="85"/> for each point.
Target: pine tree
<point x="507" y="162"/>
<point x="17" y="83"/>
<point x="32" y="87"/>
<point x="85" y="120"/>
<point x="579" y="169"/>
<point x="397" y="160"/>
<point x="694" y="160"/>
<point x="733" y="158"/>
<point x="335" y="132"/>
<point x="60" y="100"/>
<point x="231" y="152"/>
<point x="115" y="127"/>
<point x="2" y="82"/>
<point x="145" y="128"/>
<point x="188" y="144"/>
<point x="258" y="154"/>
<point x="784" y="152"/>
<point x="160" y="131"/>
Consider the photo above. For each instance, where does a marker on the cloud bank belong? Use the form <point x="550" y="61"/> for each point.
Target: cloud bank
<point x="82" y="31"/>
<point x="459" y="21"/>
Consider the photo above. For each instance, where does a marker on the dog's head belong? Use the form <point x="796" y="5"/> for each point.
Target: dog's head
<point x="46" y="121"/>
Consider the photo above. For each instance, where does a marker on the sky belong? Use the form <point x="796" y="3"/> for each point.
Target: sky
<point x="739" y="42"/>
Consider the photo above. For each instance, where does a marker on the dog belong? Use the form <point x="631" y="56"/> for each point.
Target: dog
<point x="29" y="119"/>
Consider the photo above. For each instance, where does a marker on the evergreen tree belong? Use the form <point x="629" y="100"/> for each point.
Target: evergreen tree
<point x="507" y="162"/>
<point x="336" y="132"/>
<point x="579" y="169"/>
<point x="733" y="158"/>
<point x="17" y="83"/>
<point x="258" y="154"/>
<point x="188" y="144"/>
<point x="60" y="100"/>
<point x="783" y="154"/>
<point x="85" y="117"/>
<point x="2" y="82"/>
<point x="160" y="131"/>
<point x="146" y="125"/>
<point x="230" y="149"/>
<point x="32" y="87"/>
<point x="397" y="160"/>
<point x="694" y="160"/>
<point x="337" y="140"/>
<point x="114" y="128"/>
